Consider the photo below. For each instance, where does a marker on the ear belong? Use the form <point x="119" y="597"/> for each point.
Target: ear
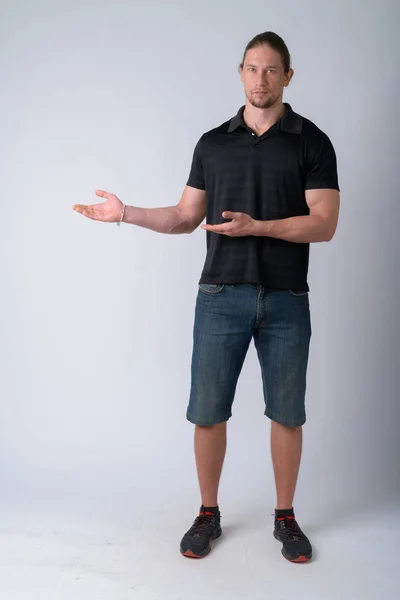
<point x="288" y="77"/>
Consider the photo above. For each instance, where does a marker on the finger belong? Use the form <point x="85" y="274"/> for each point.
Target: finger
<point x="214" y="229"/>
<point x="220" y="232"/>
<point x="223" y="227"/>
<point x="102" y="194"/>
<point x="79" y="207"/>
<point x="228" y="214"/>
<point x="86" y="211"/>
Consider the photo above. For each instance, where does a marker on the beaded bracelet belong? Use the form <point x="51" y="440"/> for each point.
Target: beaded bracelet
<point x="122" y="216"/>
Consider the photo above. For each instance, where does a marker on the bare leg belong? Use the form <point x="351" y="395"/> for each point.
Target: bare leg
<point x="286" y="446"/>
<point x="210" y="448"/>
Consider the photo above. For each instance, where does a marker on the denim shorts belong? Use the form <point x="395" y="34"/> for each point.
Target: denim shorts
<point x="227" y="318"/>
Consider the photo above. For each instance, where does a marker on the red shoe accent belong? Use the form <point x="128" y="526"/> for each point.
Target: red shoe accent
<point x="299" y="559"/>
<point x="190" y="554"/>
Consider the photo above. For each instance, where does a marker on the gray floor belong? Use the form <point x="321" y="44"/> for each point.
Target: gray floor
<point x="59" y="557"/>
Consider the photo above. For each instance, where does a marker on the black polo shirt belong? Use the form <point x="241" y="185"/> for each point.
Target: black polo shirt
<point x="264" y="177"/>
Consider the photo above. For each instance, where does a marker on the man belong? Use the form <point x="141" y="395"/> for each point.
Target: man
<point x="267" y="182"/>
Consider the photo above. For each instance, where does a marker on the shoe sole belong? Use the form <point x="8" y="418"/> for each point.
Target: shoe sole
<point x="191" y="554"/>
<point x="300" y="559"/>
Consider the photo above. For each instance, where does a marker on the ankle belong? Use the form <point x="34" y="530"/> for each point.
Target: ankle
<point x="209" y="504"/>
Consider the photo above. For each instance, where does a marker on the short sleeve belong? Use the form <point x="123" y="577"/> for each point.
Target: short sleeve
<point x="196" y="176"/>
<point x="321" y="170"/>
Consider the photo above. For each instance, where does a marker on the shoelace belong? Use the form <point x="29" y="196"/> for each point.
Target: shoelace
<point x="291" y="528"/>
<point x="202" y="524"/>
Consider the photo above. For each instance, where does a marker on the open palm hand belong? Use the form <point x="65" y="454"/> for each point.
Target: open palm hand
<point x="108" y="211"/>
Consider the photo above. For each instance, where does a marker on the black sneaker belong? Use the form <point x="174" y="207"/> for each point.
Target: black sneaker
<point x="206" y="527"/>
<point x="296" y="546"/>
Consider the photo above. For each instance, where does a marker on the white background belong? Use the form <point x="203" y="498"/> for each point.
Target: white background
<point x="96" y="324"/>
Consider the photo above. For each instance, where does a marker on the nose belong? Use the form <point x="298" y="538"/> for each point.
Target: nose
<point x="261" y="78"/>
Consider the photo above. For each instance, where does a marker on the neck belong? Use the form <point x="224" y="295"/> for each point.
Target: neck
<point x="261" y="119"/>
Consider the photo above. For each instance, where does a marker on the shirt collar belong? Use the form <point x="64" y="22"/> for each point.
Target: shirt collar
<point x="290" y="121"/>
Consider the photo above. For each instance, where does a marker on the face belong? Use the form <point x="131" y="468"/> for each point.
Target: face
<point x="264" y="77"/>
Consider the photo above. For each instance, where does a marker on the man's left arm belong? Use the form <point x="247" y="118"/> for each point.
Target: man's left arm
<point x="319" y="226"/>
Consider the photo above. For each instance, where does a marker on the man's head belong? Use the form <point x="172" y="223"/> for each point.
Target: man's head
<point x="265" y="70"/>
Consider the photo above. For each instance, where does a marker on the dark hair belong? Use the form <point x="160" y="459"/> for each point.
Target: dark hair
<point x="275" y="41"/>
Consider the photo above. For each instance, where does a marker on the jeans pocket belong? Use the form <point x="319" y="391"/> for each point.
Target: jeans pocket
<point x="211" y="288"/>
<point x="299" y="293"/>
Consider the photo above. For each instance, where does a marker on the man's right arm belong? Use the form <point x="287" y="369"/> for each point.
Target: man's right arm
<point x="184" y="217"/>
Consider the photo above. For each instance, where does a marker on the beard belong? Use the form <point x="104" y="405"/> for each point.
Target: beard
<point x="263" y="102"/>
